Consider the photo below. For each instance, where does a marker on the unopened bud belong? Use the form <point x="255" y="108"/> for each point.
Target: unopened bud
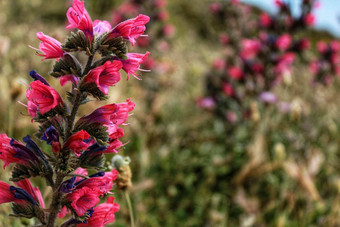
<point x="255" y="114"/>
<point x="296" y="110"/>
<point x="123" y="181"/>
<point x="279" y="151"/>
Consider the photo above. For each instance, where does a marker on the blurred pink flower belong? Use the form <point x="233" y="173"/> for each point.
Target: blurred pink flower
<point x="235" y="73"/>
<point x="284" y="42"/>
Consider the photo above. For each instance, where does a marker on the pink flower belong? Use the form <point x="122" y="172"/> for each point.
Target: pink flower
<point x="309" y="19"/>
<point x="69" y="78"/>
<point x="50" y="47"/>
<point x="100" y="27"/>
<point x="268" y="97"/>
<point x="6" y="195"/>
<point x="132" y="64"/>
<point x="235" y="73"/>
<point x="250" y="48"/>
<point x="76" y="142"/>
<point x="105" y="75"/>
<point x="8" y="154"/>
<point x="103" y="214"/>
<point x="80" y="171"/>
<point x="34" y="192"/>
<point x="43" y="96"/>
<point x="280" y="3"/>
<point x="83" y="199"/>
<point x="79" y="18"/>
<point x="265" y="20"/>
<point x="168" y="30"/>
<point x="284" y="42"/>
<point x="10" y="193"/>
<point x="102" y="184"/>
<point x="111" y="114"/>
<point x="322" y="47"/>
<point x="206" y="103"/>
<point x="228" y="89"/>
<point x="131" y="29"/>
<point x="163" y="15"/>
<point x="284" y="63"/>
<point x="218" y="64"/>
<point x="215" y="7"/>
<point x="231" y="116"/>
<point x="224" y="39"/>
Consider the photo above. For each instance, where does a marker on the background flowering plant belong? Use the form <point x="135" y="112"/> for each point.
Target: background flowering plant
<point x="276" y="165"/>
<point x="74" y="145"/>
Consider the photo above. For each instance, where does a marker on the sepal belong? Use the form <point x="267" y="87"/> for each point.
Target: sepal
<point x="21" y="172"/>
<point x="57" y="124"/>
<point x="96" y="131"/>
<point x="77" y="41"/>
<point x="92" y="89"/>
<point x="117" y="46"/>
<point x="93" y="161"/>
<point x="65" y="66"/>
<point x="28" y="211"/>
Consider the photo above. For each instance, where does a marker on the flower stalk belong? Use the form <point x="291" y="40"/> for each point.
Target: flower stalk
<point x="76" y="145"/>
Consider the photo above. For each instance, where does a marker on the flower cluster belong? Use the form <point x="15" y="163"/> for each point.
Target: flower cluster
<point x="161" y="29"/>
<point x="256" y="56"/>
<point x="76" y="144"/>
<point x="327" y="65"/>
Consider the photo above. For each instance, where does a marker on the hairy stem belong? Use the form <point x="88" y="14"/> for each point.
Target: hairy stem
<point x="60" y="175"/>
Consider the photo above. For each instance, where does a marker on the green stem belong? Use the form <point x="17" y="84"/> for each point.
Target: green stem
<point x="127" y="197"/>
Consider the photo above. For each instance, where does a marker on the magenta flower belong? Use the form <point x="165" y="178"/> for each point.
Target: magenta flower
<point x="102" y="184"/>
<point x="309" y="19"/>
<point x="132" y="64"/>
<point x="8" y="154"/>
<point x="131" y="29"/>
<point x="6" y="195"/>
<point x="268" y="97"/>
<point x="76" y="142"/>
<point x="43" y="96"/>
<point x="235" y="73"/>
<point x="105" y="75"/>
<point x="250" y="48"/>
<point x="83" y="199"/>
<point x="265" y="20"/>
<point x="114" y="144"/>
<point x="100" y="27"/>
<point x="206" y="103"/>
<point x="69" y="78"/>
<point x="228" y="89"/>
<point x="79" y="18"/>
<point x="50" y="47"/>
<point x="110" y="114"/>
<point x="10" y="193"/>
<point x="33" y="191"/>
<point x="284" y="42"/>
<point x="103" y="214"/>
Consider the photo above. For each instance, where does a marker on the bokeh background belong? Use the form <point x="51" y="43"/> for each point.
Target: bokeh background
<point x="192" y="165"/>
